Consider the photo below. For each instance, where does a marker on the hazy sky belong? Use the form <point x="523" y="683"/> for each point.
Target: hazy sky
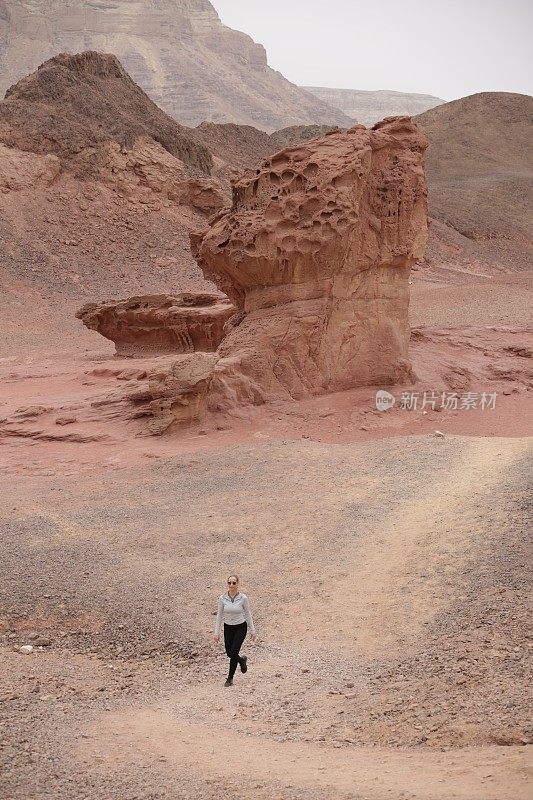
<point x="448" y="48"/>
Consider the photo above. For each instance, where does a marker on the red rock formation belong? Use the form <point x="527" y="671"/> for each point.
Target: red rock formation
<point x="316" y="251"/>
<point x="160" y="323"/>
<point x="176" y="393"/>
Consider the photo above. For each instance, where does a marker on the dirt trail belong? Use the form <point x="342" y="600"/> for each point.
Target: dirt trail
<point x="390" y="585"/>
<point x="162" y="742"/>
<point x="393" y="585"/>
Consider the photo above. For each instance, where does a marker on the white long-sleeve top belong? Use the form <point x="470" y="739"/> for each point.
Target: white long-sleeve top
<point x="234" y="610"/>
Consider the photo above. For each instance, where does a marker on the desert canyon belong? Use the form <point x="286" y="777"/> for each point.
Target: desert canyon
<point x="199" y="302"/>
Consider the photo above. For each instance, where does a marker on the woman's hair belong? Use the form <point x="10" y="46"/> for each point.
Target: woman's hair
<point x="233" y="576"/>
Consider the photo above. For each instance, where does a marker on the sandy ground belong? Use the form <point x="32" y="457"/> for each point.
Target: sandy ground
<point x="67" y="412"/>
<point x="468" y="296"/>
<point x="389" y="583"/>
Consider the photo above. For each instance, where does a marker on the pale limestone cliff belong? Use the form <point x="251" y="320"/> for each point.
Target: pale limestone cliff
<point x="178" y="51"/>
<point x="369" y="107"/>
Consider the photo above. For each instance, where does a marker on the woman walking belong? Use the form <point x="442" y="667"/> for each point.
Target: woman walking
<point x="234" y="610"/>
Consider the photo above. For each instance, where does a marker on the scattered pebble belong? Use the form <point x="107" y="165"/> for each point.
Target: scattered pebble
<point x="42" y="641"/>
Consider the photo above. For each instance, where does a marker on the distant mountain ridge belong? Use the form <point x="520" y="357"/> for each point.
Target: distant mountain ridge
<point x="178" y="51"/>
<point x="369" y="107"/>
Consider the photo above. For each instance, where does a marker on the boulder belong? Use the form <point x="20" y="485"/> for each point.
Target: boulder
<point x="205" y="195"/>
<point x="315" y="252"/>
<point x="147" y="165"/>
<point x="152" y="324"/>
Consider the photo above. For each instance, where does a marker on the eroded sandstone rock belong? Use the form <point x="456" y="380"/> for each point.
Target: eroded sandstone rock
<point x="183" y="323"/>
<point x="316" y="251"/>
<point x="176" y="393"/>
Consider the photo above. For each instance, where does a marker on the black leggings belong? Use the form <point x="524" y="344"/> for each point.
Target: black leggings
<point x="234" y="636"/>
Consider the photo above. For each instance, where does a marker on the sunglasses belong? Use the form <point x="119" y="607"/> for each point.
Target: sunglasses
<point x="232" y="583"/>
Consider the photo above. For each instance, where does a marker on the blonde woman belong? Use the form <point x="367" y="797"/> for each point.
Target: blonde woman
<point x="234" y="610"/>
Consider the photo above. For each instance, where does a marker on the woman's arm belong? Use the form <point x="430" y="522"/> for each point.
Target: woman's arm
<point x="248" y="614"/>
<point x="218" y="621"/>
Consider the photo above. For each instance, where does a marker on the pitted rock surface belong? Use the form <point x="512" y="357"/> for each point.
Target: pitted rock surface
<point x="316" y="251"/>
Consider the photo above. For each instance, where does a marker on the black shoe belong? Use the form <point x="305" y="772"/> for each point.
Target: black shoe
<point x="243" y="661"/>
<point x="229" y="682"/>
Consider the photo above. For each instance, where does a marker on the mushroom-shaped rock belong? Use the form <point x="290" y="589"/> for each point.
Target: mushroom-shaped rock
<point x="315" y="251"/>
<point x="161" y="323"/>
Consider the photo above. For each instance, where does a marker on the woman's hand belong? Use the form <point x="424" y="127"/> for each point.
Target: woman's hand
<point x="253" y="636"/>
<point x="216" y="638"/>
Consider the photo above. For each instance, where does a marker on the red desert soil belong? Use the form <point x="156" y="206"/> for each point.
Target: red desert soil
<point x="388" y="566"/>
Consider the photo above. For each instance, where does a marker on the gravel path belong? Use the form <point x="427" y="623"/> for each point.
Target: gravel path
<point x="390" y="583"/>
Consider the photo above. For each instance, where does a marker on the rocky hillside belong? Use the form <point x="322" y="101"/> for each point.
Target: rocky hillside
<point x="99" y="189"/>
<point x="241" y="146"/>
<point x="72" y="106"/>
<point x="178" y="51"/>
<point x="370" y="107"/>
<point x="480" y="171"/>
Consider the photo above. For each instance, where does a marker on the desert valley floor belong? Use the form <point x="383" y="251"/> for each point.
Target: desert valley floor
<point x="388" y="569"/>
<point x="386" y="553"/>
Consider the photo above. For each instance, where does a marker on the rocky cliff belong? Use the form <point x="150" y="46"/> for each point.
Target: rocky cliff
<point x="369" y="107"/>
<point x="178" y="51"/>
